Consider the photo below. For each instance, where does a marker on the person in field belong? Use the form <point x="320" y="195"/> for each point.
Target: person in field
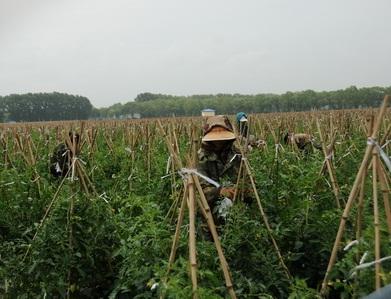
<point x="245" y="138"/>
<point x="304" y="142"/>
<point x="62" y="157"/>
<point x="242" y="124"/>
<point x="219" y="160"/>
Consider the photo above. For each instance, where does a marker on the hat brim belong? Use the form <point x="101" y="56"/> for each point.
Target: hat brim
<point x="219" y="136"/>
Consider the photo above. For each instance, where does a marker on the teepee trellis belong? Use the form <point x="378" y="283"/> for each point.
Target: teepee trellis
<point x="192" y="187"/>
<point x="371" y="156"/>
<point x="76" y="169"/>
<point x="330" y="166"/>
<point x="245" y="171"/>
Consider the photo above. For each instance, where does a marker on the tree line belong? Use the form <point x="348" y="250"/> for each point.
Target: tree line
<point x="157" y="105"/>
<point x="61" y="106"/>
<point x="44" y="107"/>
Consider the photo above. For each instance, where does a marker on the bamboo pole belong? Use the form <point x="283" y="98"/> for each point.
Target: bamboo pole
<point x="376" y="217"/>
<point x="360" y="210"/>
<point x="385" y="188"/>
<point x="238" y="180"/>
<point x="70" y="242"/>
<point x="177" y="230"/>
<point x="192" y="237"/>
<point x="360" y="206"/>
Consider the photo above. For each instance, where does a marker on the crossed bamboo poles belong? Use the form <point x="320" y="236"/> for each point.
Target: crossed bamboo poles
<point x="190" y="199"/>
<point x="327" y="152"/>
<point x="245" y="171"/>
<point x="76" y="168"/>
<point x="371" y="157"/>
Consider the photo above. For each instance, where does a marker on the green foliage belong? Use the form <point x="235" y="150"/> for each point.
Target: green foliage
<point x="45" y="106"/>
<point x="145" y="241"/>
<point x="300" y="290"/>
<point x="117" y="245"/>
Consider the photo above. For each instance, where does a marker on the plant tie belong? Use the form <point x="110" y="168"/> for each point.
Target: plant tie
<point x="184" y="172"/>
<point x="383" y="155"/>
<point x="369" y="264"/>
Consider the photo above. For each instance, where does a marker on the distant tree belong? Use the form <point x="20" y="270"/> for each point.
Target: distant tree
<point x="47" y="106"/>
<point x="2" y="109"/>
<point x="145" y="97"/>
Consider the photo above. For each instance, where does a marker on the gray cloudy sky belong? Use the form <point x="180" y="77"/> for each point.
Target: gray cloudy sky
<point x="112" y="50"/>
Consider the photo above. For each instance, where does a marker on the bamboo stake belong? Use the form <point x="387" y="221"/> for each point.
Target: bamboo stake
<point x="238" y="180"/>
<point x="360" y="206"/>
<point x="385" y="188"/>
<point x="376" y="218"/>
<point x="70" y="243"/>
<point x="177" y="231"/>
<point x="360" y="209"/>
<point x="192" y="237"/>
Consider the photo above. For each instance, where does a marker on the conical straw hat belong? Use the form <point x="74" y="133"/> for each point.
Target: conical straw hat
<point x="218" y="128"/>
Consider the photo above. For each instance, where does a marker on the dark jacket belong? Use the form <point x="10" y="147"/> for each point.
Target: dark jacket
<point x="59" y="161"/>
<point x="222" y="168"/>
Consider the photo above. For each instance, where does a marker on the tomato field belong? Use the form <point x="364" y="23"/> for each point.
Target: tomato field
<point x="106" y="230"/>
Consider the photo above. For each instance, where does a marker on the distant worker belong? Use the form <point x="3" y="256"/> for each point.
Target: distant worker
<point x="62" y="156"/>
<point x="304" y="142"/>
<point x="242" y="123"/>
<point x="219" y="160"/>
<point x="245" y="138"/>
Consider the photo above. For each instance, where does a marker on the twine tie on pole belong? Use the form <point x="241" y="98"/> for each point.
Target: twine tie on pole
<point x="233" y="158"/>
<point x="363" y="258"/>
<point x="350" y="245"/>
<point x="66" y="152"/>
<point x="328" y="157"/>
<point x="74" y="159"/>
<point x="385" y="144"/>
<point x="168" y="164"/>
<point x="383" y="155"/>
<point x="187" y="171"/>
<point x="369" y="264"/>
<point x="104" y="196"/>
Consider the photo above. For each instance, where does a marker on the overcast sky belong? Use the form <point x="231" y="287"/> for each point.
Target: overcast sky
<point x="109" y="51"/>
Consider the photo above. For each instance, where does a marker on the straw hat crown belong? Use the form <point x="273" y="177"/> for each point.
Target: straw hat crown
<point x="218" y="128"/>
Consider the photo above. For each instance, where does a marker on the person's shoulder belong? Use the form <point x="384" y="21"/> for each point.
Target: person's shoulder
<point x="201" y="153"/>
<point x="301" y="136"/>
<point x="205" y="155"/>
<point x="60" y="148"/>
<point x="235" y="150"/>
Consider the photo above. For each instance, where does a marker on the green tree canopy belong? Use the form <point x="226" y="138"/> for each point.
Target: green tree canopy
<point x="45" y="106"/>
<point x="155" y="105"/>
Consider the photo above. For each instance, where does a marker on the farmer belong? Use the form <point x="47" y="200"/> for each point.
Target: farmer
<point x="62" y="156"/>
<point x="242" y="123"/>
<point x="304" y="142"/>
<point x="245" y="138"/>
<point x="219" y="160"/>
